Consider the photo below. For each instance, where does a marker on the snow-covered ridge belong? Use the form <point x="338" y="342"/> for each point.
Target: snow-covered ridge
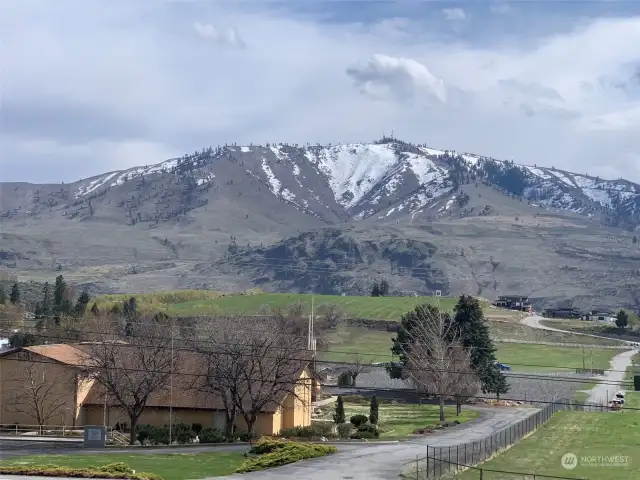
<point x="389" y="177"/>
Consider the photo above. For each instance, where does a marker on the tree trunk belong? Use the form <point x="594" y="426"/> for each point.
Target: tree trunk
<point x="134" y="424"/>
<point x="442" y="408"/>
<point x="230" y="425"/>
<point x="251" y="424"/>
<point x="458" y="407"/>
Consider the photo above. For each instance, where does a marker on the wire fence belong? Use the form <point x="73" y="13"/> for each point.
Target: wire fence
<point x="448" y="462"/>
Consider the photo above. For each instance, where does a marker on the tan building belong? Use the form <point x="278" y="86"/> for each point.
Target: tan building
<point x="44" y="385"/>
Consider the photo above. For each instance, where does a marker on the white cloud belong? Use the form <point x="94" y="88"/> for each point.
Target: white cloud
<point x="454" y="14"/>
<point x="229" y="37"/>
<point x="402" y="78"/>
<point x="90" y="88"/>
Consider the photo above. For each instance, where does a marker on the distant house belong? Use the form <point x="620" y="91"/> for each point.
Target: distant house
<point x="80" y="401"/>
<point x="600" y="316"/>
<point x="563" y="312"/>
<point x="514" y="302"/>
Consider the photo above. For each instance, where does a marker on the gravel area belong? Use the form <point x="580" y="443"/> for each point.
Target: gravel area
<point x="540" y="387"/>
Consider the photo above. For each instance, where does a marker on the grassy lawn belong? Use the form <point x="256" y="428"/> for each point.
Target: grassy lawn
<point x="581" y="433"/>
<point x="384" y="308"/>
<point x="178" y="466"/>
<point x="522" y="356"/>
<point x="371" y="345"/>
<point x="399" y="420"/>
<point x="374" y="346"/>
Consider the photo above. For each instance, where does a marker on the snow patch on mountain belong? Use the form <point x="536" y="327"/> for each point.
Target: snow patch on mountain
<point x="274" y="183"/>
<point x="353" y="169"/>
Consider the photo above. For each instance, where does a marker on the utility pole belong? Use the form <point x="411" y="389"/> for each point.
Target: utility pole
<point x="583" y="365"/>
<point x="171" y="389"/>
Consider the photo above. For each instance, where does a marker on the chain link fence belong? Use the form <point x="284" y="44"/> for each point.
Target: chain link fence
<point x="446" y="462"/>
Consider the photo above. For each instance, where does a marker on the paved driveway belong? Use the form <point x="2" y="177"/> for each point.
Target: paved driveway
<point x="385" y="462"/>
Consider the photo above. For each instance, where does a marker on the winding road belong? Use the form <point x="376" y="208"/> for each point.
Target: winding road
<point x="609" y="384"/>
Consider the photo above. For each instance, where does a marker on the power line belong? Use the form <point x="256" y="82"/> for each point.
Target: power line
<point x="522" y="375"/>
<point x="249" y="330"/>
<point x="355" y="388"/>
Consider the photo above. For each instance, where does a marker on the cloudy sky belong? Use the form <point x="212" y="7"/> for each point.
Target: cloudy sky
<point x="97" y="85"/>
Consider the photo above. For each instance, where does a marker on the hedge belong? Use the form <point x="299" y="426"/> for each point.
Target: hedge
<point x="275" y="453"/>
<point x="113" y="470"/>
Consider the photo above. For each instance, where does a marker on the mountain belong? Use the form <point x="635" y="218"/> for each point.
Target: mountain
<point x="233" y="217"/>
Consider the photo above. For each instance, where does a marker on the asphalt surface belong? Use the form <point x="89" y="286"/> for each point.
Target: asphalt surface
<point x="386" y="462"/>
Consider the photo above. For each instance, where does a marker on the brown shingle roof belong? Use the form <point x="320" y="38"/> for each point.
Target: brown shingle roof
<point x="187" y="379"/>
<point x="60" y="352"/>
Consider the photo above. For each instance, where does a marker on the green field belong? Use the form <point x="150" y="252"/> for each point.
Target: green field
<point x="345" y="343"/>
<point x="399" y="420"/>
<point x="383" y="308"/>
<point x="581" y="433"/>
<point x="177" y="466"/>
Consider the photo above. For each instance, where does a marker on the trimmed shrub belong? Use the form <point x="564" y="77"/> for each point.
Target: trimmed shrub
<point x="283" y="454"/>
<point x="197" y="428"/>
<point x="365" y="432"/>
<point x="211" y="435"/>
<point x="268" y="445"/>
<point x="315" y="430"/>
<point x="344" y="430"/>
<point x="358" y="420"/>
<point x="112" y="471"/>
<point x="183" y="433"/>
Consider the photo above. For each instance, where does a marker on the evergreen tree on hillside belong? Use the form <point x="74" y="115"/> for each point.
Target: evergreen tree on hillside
<point x="14" y="296"/>
<point x="130" y="313"/>
<point x="59" y="294"/>
<point x="474" y="334"/>
<point x="81" y="305"/>
<point x="95" y="310"/>
<point x="622" y="319"/>
<point x="3" y="295"/>
<point x="46" y="305"/>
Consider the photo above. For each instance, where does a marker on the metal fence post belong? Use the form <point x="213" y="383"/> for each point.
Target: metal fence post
<point x="427" y="462"/>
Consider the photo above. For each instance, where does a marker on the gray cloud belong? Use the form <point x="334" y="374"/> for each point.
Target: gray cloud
<point x="92" y="87"/>
<point x="402" y="78"/>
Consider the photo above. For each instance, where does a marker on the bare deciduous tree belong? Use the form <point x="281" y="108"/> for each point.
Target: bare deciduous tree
<point x="36" y="390"/>
<point x="436" y="360"/>
<point x="134" y="366"/>
<point x="257" y="363"/>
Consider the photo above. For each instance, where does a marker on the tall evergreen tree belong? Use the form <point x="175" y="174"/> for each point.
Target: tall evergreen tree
<point x="14" y="296"/>
<point x="474" y="334"/>
<point x="373" y="410"/>
<point x="130" y="313"/>
<point x="46" y="306"/>
<point x="95" y="310"/>
<point x="3" y="295"/>
<point x="81" y="305"/>
<point x="59" y="294"/>
<point x="339" y="416"/>
<point x="402" y="342"/>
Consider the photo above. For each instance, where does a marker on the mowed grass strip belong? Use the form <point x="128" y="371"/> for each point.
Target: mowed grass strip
<point x="346" y="343"/>
<point x="399" y="420"/>
<point x="547" y="358"/>
<point x="382" y="308"/>
<point x="581" y="433"/>
<point x="177" y="466"/>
